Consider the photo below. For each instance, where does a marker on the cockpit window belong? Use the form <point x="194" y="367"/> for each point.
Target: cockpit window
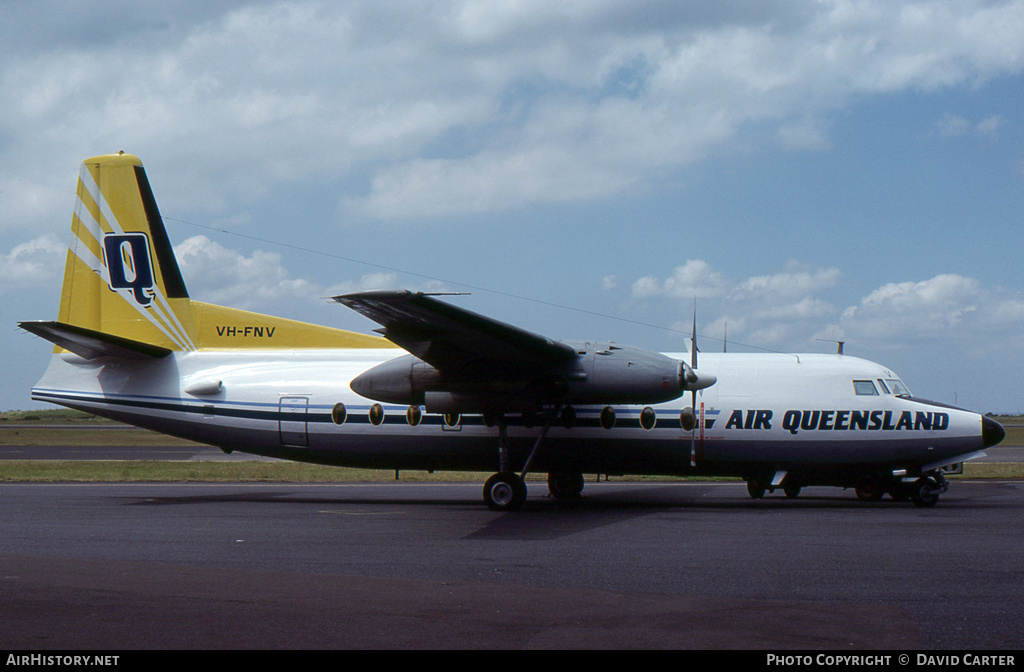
<point x="897" y="387"/>
<point x="864" y="388"/>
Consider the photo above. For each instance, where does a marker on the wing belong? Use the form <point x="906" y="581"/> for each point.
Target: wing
<point x="453" y="339"/>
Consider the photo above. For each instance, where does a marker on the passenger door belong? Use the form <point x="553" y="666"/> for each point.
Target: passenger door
<point x="292" y="421"/>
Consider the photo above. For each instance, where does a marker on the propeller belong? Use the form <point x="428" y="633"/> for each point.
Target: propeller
<point x="693" y="391"/>
<point x="693" y="380"/>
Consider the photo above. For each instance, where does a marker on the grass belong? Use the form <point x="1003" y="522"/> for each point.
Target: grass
<point x="52" y="416"/>
<point x="157" y="471"/>
<point x="111" y="435"/>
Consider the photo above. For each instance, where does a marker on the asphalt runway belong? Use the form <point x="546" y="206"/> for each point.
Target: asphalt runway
<point x="408" y="565"/>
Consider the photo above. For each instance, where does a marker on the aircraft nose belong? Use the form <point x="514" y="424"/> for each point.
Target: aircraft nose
<point x="991" y="431"/>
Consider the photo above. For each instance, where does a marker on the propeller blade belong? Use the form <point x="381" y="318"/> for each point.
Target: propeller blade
<point x="693" y="340"/>
<point x="693" y="392"/>
<point x="693" y="432"/>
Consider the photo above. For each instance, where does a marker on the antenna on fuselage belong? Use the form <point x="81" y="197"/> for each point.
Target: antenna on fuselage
<point x="839" y="344"/>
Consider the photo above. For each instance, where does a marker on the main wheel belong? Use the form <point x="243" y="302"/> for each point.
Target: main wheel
<point x="755" y="488"/>
<point x="565" y="484"/>
<point x="504" y="492"/>
<point x="868" y="489"/>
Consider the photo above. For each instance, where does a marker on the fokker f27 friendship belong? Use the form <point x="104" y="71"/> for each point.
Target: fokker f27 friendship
<point x="468" y="392"/>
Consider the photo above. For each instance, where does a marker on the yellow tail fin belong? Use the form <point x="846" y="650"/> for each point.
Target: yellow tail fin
<point x="122" y="283"/>
<point x="121" y="277"/>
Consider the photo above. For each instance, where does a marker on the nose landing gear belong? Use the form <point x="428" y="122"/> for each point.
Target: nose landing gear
<point x="925" y="491"/>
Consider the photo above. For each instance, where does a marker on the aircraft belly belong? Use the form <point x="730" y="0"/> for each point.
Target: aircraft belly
<point x="842" y="451"/>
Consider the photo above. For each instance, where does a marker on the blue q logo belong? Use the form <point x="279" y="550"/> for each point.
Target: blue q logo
<point x="128" y="264"/>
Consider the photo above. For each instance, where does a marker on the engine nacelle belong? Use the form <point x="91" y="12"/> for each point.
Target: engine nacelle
<point x="601" y="373"/>
<point x="402" y="380"/>
<point x="607" y="373"/>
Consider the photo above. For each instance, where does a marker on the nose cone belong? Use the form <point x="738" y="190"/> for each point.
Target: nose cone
<point x="991" y="431"/>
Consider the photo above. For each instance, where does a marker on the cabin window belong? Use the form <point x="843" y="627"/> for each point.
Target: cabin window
<point x="865" y="388"/>
<point x="647" y="418"/>
<point x="607" y="417"/>
<point x="376" y="414"/>
<point x="687" y="419"/>
<point x="413" y="415"/>
<point x="338" y="414"/>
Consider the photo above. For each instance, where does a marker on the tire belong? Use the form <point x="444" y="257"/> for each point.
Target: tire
<point x="868" y="489"/>
<point x="504" y="492"/>
<point x="922" y="493"/>
<point x="565" y="484"/>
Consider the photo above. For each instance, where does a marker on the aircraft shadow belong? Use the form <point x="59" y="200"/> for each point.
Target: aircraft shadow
<point x="542" y="517"/>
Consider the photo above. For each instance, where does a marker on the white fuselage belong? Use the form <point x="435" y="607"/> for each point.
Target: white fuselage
<point x="802" y="413"/>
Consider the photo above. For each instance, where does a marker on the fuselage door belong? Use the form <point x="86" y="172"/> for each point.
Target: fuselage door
<point x="292" y="421"/>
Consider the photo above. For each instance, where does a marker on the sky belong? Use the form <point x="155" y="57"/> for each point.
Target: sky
<point x="803" y="171"/>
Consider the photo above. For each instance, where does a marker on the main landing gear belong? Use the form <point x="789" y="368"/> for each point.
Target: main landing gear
<point x="506" y="490"/>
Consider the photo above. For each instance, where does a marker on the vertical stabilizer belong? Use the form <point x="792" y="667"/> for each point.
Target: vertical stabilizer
<point x="121" y="277"/>
<point x="123" y="293"/>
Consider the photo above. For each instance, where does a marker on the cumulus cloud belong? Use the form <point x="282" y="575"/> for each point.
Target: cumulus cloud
<point x="795" y="279"/>
<point x="948" y="306"/>
<point x="220" y="275"/>
<point x="951" y="125"/>
<point x="790" y="309"/>
<point x="694" y="279"/>
<point x="765" y="310"/>
<point x="37" y="262"/>
<point x="461" y="106"/>
<point x="259" y="281"/>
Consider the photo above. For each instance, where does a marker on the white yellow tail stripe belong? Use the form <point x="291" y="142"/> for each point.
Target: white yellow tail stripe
<point x="159" y="313"/>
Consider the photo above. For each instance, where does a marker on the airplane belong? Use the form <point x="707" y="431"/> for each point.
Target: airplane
<point x="444" y="388"/>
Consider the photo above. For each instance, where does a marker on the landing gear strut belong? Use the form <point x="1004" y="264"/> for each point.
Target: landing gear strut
<point x="506" y="490"/>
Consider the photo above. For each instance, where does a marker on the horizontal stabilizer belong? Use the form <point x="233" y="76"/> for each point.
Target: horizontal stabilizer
<point x="90" y="344"/>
